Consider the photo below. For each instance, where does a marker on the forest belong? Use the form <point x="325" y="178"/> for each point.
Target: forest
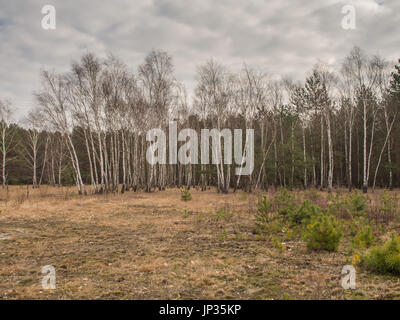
<point x="339" y="128"/>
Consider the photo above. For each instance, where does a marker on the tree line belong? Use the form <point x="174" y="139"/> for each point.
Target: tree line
<point x="337" y="128"/>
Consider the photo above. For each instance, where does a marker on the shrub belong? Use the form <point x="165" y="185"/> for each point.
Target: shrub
<point x="266" y="229"/>
<point x="356" y="203"/>
<point x="285" y="202"/>
<point x="363" y="238"/>
<point x="185" y="214"/>
<point x="185" y="195"/>
<point x="288" y="211"/>
<point x="277" y="244"/>
<point x="263" y="210"/>
<point x="288" y="232"/>
<point x="384" y="259"/>
<point x="388" y="204"/>
<point x="353" y="225"/>
<point x="336" y="205"/>
<point x="323" y="233"/>
<point x="304" y="213"/>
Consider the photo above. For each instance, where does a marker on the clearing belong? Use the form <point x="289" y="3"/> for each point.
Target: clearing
<point x="155" y="246"/>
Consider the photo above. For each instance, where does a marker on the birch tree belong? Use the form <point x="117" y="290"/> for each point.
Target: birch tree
<point x="363" y="72"/>
<point x="32" y="143"/>
<point x="6" y="137"/>
<point x="53" y="100"/>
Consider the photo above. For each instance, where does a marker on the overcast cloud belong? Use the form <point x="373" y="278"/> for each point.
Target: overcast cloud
<point x="282" y="37"/>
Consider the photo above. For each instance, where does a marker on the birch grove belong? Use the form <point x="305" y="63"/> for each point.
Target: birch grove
<point x="337" y="128"/>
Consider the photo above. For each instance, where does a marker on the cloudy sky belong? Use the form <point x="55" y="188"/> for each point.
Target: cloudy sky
<point x="280" y="36"/>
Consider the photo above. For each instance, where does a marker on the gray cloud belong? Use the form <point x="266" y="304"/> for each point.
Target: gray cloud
<point x="282" y="37"/>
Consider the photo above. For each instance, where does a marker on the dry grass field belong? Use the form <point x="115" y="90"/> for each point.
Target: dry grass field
<point x="156" y="246"/>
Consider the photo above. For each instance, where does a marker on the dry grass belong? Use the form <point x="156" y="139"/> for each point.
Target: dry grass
<point x="155" y="246"/>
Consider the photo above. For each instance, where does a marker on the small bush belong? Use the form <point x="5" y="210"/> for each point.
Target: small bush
<point x="323" y="233"/>
<point x="289" y="211"/>
<point x="304" y="213"/>
<point x="363" y="238"/>
<point x="336" y="205"/>
<point x="185" y="195"/>
<point x="356" y="204"/>
<point x="388" y="204"/>
<point x="185" y="214"/>
<point x="263" y="210"/>
<point x="384" y="259"/>
<point x="267" y="229"/>
<point x="277" y="244"/>
<point x="285" y="202"/>
<point x="288" y="232"/>
<point x="353" y="225"/>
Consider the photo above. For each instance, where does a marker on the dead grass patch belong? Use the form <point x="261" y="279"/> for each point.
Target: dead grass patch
<point x="155" y="246"/>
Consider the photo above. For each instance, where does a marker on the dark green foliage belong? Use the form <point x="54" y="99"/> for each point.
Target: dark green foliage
<point x="323" y="233"/>
<point x="304" y="213"/>
<point x="287" y="208"/>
